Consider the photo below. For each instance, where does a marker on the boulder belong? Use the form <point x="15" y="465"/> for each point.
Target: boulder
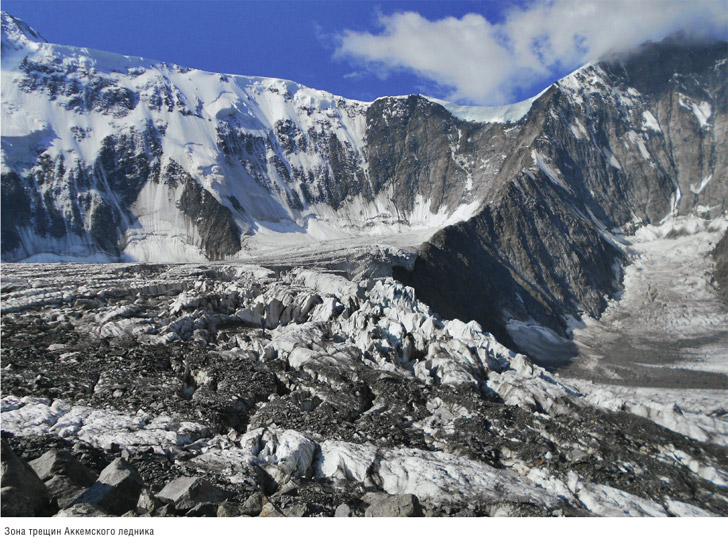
<point x="117" y="489"/>
<point x="62" y="489"/>
<point x="344" y="510"/>
<point x="186" y="492"/>
<point x="254" y="504"/>
<point x="270" y="510"/>
<point x="62" y="462"/>
<point x="399" y="505"/>
<point x="23" y="492"/>
<point x="147" y="502"/>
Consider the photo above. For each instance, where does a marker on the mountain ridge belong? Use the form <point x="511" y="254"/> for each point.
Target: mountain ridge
<point x="163" y="163"/>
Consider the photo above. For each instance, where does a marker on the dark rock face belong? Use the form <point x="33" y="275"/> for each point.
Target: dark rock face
<point x="116" y="491"/>
<point x="77" y="203"/>
<point x="529" y="253"/>
<point x="418" y="149"/>
<point x="608" y="155"/>
<point x="408" y="143"/>
<point x="720" y="254"/>
<point x="219" y="234"/>
<point x="23" y="493"/>
<point x="16" y="208"/>
<point x="58" y="79"/>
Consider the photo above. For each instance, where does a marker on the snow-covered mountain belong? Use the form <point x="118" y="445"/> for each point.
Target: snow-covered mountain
<point x="141" y="160"/>
<point x="352" y="351"/>
<point x="108" y="157"/>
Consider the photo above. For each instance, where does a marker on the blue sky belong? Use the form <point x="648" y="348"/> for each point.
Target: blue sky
<point x="485" y="52"/>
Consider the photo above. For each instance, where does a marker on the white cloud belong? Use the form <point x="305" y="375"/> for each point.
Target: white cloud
<point x="486" y="63"/>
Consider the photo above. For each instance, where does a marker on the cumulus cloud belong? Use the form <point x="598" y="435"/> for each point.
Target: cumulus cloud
<point x="482" y="62"/>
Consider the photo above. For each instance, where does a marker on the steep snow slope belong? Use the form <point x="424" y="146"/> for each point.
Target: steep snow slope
<point x="92" y="138"/>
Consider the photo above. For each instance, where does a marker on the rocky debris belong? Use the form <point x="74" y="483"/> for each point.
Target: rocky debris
<point x="187" y="493"/>
<point x="399" y="505"/>
<point x="720" y="254"/>
<point x="359" y="393"/>
<point x="82" y="510"/>
<point x="228" y="509"/>
<point x="63" y="490"/>
<point x="117" y="489"/>
<point x="62" y="463"/>
<point x="23" y="492"/>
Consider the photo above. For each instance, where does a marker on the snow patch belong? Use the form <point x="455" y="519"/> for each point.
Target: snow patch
<point x="548" y="170"/>
<point x="636" y="139"/>
<point x="578" y="130"/>
<point x="703" y="183"/>
<point x="509" y="113"/>
<point x="702" y="111"/>
<point x="649" y="123"/>
<point x="611" y="158"/>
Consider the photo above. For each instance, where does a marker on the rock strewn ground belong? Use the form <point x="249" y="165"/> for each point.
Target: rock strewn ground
<point x="300" y="393"/>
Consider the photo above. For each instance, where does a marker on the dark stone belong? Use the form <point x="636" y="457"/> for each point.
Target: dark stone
<point x="254" y="504"/>
<point x="404" y="505"/>
<point x="117" y="489"/>
<point x="147" y="502"/>
<point x="82" y="510"/>
<point x="203" y="510"/>
<point x="187" y="492"/>
<point x="62" y="462"/>
<point x="23" y="493"/>
<point x="63" y="490"/>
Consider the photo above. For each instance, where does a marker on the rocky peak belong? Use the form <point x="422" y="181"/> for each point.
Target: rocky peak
<point x="17" y="34"/>
<point x="651" y="67"/>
